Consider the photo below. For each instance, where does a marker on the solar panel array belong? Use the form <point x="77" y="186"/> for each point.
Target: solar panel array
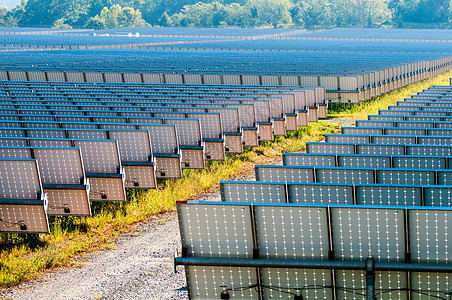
<point x="92" y="141"/>
<point x="379" y="192"/>
<point x="352" y="64"/>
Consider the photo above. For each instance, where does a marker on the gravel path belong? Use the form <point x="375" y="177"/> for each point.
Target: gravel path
<point x="141" y="267"/>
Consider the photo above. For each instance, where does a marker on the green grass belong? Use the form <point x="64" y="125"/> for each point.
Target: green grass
<point x="371" y="107"/>
<point x="24" y="257"/>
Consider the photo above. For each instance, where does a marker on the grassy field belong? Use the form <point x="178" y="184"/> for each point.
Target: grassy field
<point x="24" y="257"/>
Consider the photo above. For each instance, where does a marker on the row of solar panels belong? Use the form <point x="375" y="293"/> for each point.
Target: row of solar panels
<point x="383" y="34"/>
<point x="363" y="193"/>
<point x="348" y="77"/>
<point x="92" y="147"/>
<point x="159" y="32"/>
<point x="297" y="44"/>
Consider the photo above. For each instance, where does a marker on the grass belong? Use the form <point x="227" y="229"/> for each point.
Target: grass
<point x="24" y="257"/>
<point x="371" y="107"/>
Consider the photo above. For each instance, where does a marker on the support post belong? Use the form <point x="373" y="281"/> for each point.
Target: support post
<point x="370" y="278"/>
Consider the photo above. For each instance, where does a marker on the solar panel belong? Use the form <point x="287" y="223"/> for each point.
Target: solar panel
<point x="214" y="149"/>
<point x="107" y="189"/>
<point x="23" y="206"/>
<point x="233" y="142"/>
<point x="163" y="138"/>
<point x="380" y="149"/>
<point x="20" y="179"/>
<point x="362" y="130"/>
<point x="284" y="174"/>
<point x="291" y="232"/>
<point x="389" y="195"/>
<point x="426" y="285"/>
<point x="396" y="140"/>
<point x="352" y="284"/>
<point x="46" y="133"/>
<point x="233" y="191"/>
<point x="438" y="196"/>
<point x="250" y="136"/>
<point x="296" y="281"/>
<point x="301" y="159"/>
<point x="63" y="178"/>
<point x="408" y="162"/>
<point x="359" y="233"/>
<point x="428" y="229"/>
<point x="343" y="175"/>
<point x="320" y="193"/>
<point x="99" y="156"/>
<point x="405" y="131"/>
<point x="406" y="177"/>
<point x="134" y="145"/>
<point x="429" y="150"/>
<point x="16" y="216"/>
<point x="363" y="161"/>
<point x="351" y="139"/>
<point x="74" y="202"/>
<point x="192" y="157"/>
<point x="206" y="282"/>
<point x="168" y="165"/>
<point x="216" y="230"/>
<point x="60" y="165"/>
<point x="329" y="148"/>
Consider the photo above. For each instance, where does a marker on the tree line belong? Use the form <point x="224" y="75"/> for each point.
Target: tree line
<point x="311" y="14"/>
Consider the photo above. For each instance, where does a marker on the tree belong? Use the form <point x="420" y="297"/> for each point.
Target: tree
<point x="237" y="15"/>
<point x="361" y="13"/>
<point x="275" y="13"/>
<point x="95" y="23"/>
<point x="117" y="17"/>
<point x="199" y="15"/>
<point x="60" y="24"/>
<point x="312" y="13"/>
